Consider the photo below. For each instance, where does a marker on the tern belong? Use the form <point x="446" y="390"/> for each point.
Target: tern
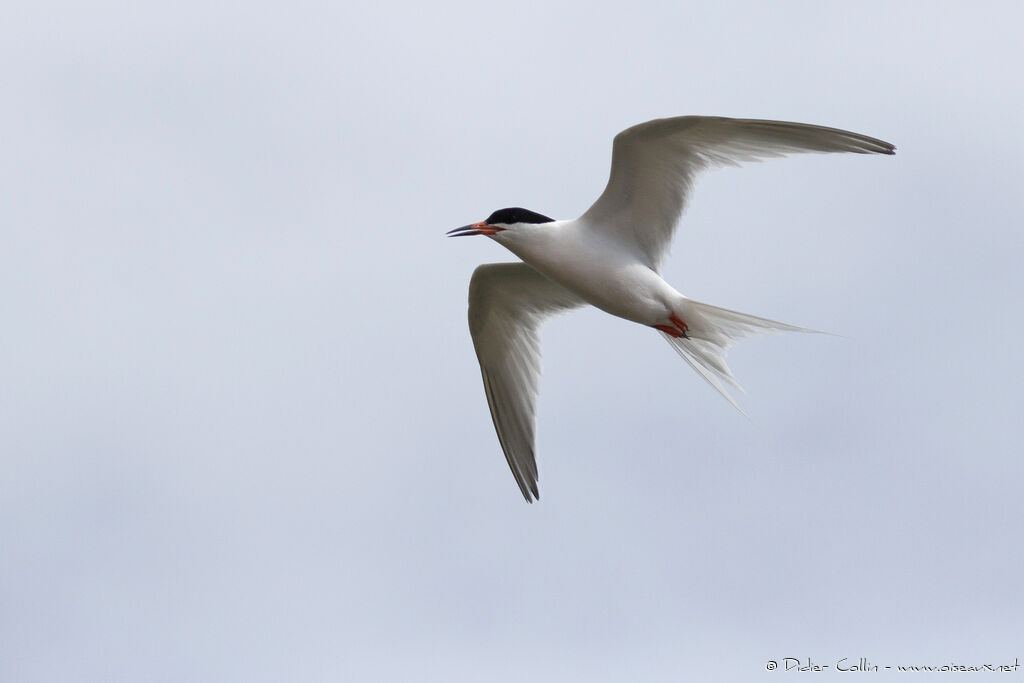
<point x="610" y="257"/>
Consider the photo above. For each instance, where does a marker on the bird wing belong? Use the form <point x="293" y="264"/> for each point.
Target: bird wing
<point x="654" y="165"/>
<point x="507" y="303"/>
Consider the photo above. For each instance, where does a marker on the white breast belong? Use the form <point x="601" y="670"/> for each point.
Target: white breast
<point x="596" y="268"/>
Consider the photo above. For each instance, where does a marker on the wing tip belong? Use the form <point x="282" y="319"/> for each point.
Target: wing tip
<point x="880" y="147"/>
<point x="528" y="487"/>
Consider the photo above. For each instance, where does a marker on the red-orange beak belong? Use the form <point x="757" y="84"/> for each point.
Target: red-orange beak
<point x="480" y="228"/>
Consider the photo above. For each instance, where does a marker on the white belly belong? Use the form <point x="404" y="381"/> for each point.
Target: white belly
<point x="604" y="275"/>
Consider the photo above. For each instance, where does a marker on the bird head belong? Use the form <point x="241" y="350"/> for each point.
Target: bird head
<point x="500" y="221"/>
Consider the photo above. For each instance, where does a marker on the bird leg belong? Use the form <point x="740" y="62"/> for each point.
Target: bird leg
<point x="678" y="322"/>
<point x="669" y="330"/>
<point x="677" y="329"/>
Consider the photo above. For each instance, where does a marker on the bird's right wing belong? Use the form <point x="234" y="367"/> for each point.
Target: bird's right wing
<point x="654" y="165"/>
<point x="507" y="302"/>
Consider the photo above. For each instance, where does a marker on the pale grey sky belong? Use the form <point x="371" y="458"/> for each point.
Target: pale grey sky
<point x="242" y="428"/>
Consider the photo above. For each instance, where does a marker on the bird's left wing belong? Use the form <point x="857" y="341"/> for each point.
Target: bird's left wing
<point x="654" y="165"/>
<point x="507" y="303"/>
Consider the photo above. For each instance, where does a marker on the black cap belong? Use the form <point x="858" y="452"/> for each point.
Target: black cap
<point x="516" y="215"/>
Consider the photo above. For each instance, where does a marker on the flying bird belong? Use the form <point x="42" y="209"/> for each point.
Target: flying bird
<point x="610" y="257"/>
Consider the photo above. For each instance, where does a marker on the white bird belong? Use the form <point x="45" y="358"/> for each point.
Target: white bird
<point x="610" y="257"/>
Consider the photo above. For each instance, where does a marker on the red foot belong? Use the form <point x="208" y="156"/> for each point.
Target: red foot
<point x="677" y="329"/>
<point x="678" y="322"/>
<point x="669" y="330"/>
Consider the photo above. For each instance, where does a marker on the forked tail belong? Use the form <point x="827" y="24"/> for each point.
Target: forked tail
<point x="710" y="332"/>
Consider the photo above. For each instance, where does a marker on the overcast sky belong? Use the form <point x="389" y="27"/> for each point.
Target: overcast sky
<point x="243" y="432"/>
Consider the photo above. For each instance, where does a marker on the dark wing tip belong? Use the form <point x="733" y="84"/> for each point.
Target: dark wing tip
<point x="876" y="146"/>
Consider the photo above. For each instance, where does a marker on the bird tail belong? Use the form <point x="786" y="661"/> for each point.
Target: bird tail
<point x="710" y="332"/>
